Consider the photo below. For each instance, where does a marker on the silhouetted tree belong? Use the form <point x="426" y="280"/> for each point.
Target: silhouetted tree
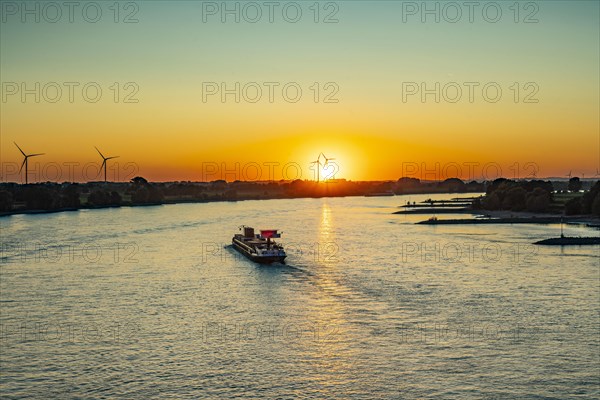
<point x="70" y="197"/>
<point x="492" y="187"/>
<point x="514" y="199"/>
<point x="475" y="186"/>
<point x="575" y="184"/>
<point x="115" y="198"/>
<point x="538" y="200"/>
<point x="147" y="194"/>
<point x="596" y="206"/>
<point x="98" y="198"/>
<point x="6" y="201"/>
<point x="155" y="195"/>
<point x="453" y="185"/>
<point x="408" y="182"/>
<point x="219" y="184"/>
<point x="38" y="197"/>
<point x="588" y="199"/>
<point x="573" y="206"/>
<point x="231" y="194"/>
<point x="104" y="198"/>
<point x="505" y="194"/>
<point x="139" y="180"/>
<point x="140" y="195"/>
<point x="492" y="202"/>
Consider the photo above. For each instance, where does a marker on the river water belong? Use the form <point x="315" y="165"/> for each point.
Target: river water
<point x="152" y="302"/>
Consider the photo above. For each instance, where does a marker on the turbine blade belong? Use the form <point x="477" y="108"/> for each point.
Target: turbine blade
<point x="110" y="158"/>
<point x="22" y="152"/>
<point x="22" y="165"/>
<point x="38" y="154"/>
<point x="101" y="155"/>
<point x="101" y="166"/>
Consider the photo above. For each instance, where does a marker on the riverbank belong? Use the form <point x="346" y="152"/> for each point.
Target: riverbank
<point x="511" y="217"/>
<point x="567" y="219"/>
<point x="570" y="241"/>
<point x="482" y="221"/>
<point x="58" y="197"/>
<point x="153" y="204"/>
<point x="88" y="207"/>
<point x="71" y="209"/>
<point x="463" y="210"/>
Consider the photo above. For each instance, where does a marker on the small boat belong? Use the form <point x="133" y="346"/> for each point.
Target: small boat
<point x="259" y="247"/>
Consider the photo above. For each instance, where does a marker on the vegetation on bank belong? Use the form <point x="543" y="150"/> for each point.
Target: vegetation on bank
<point x="54" y="196"/>
<point x="540" y="197"/>
<point x="588" y="203"/>
<point x="501" y="194"/>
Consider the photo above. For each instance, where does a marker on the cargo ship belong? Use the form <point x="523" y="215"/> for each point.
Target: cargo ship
<point x="259" y="248"/>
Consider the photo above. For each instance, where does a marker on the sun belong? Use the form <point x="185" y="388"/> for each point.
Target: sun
<point x="325" y="168"/>
<point x="329" y="170"/>
<point x="339" y="157"/>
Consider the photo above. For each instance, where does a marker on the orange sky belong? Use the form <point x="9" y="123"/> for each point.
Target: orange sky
<point x="373" y="129"/>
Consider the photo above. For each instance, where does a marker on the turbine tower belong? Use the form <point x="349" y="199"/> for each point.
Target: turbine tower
<point x="318" y="164"/>
<point x="25" y="163"/>
<point x="104" y="160"/>
<point x="327" y="160"/>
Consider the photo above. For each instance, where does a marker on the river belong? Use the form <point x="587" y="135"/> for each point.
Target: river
<point x="152" y="302"/>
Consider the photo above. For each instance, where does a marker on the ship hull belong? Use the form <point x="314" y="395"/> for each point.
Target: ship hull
<point x="256" y="258"/>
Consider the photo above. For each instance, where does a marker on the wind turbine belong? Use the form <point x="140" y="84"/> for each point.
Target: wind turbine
<point x="597" y="173"/>
<point x="318" y="163"/>
<point x="326" y="159"/>
<point x="104" y="160"/>
<point x="25" y="163"/>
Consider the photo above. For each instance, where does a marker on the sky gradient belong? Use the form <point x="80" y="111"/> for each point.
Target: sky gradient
<point x="375" y="130"/>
